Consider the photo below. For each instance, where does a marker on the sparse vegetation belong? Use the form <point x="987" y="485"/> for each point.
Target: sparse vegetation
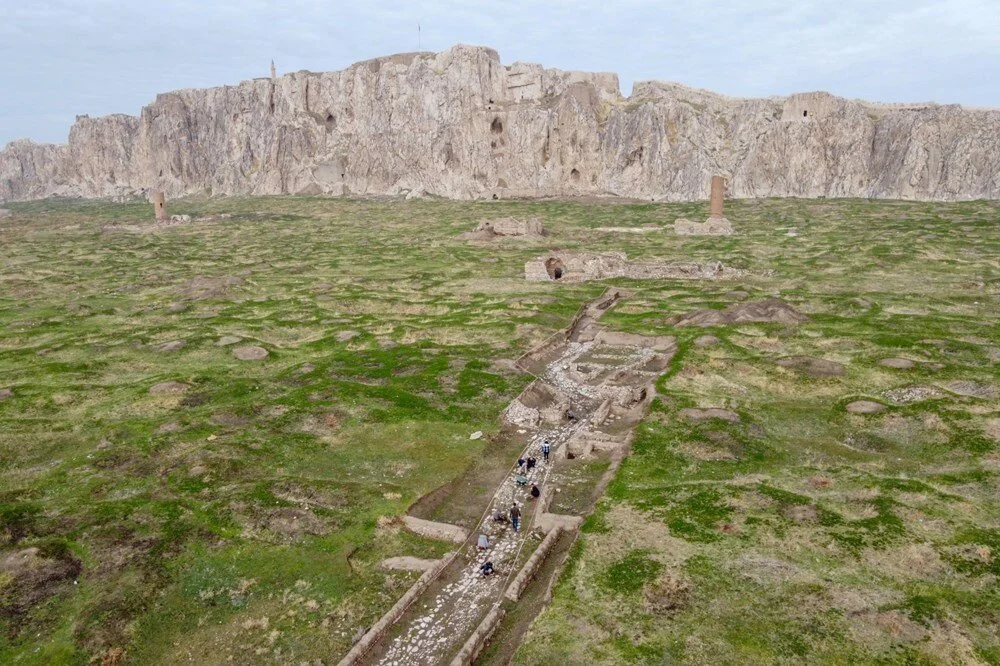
<point x="159" y="506"/>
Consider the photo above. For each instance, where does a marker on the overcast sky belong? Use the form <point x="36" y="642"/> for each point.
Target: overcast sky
<point x="66" y="57"/>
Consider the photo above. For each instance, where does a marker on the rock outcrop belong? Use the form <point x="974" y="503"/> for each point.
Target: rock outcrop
<point x="460" y="124"/>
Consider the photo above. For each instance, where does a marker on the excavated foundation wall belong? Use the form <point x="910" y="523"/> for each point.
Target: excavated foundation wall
<point x="527" y="572"/>
<point x="477" y="641"/>
<point x="378" y="629"/>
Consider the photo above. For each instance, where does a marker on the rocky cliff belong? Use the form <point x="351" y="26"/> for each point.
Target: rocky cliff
<point x="460" y="124"/>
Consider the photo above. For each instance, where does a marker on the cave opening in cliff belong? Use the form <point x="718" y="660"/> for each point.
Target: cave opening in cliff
<point x="331" y="122"/>
<point x="496" y="126"/>
<point x="805" y="114"/>
<point x="575" y="175"/>
<point x="555" y="268"/>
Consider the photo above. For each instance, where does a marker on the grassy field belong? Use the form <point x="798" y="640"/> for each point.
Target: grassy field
<point x="805" y="533"/>
<point x="162" y="500"/>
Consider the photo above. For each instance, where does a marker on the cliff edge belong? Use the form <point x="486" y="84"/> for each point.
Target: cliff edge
<point x="460" y="124"/>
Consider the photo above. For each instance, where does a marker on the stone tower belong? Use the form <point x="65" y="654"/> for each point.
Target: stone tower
<point x="718" y="191"/>
<point x="159" y="204"/>
<point x="716" y="224"/>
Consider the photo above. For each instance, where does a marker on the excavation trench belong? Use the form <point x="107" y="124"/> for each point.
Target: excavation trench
<point x="607" y="387"/>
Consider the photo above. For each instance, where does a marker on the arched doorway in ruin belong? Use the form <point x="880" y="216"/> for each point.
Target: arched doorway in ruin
<point x="555" y="268"/>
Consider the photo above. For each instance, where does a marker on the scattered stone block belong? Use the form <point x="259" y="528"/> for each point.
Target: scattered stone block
<point x="227" y="340"/>
<point x="910" y="394"/>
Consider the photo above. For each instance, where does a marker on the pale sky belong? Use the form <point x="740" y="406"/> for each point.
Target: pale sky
<point x="61" y="58"/>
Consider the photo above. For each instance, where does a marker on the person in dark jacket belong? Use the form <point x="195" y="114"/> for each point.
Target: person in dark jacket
<point x="515" y="516"/>
<point x="535" y="492"/>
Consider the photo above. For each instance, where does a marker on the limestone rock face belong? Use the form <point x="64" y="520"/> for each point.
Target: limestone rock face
<point x="460" y="124"/>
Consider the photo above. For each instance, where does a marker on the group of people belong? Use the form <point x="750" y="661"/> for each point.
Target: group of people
<point x="513" y="515"/>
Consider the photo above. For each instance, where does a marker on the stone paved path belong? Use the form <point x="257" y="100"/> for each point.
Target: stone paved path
<point x="439" y="622"/>
<point x="444" y="623"/>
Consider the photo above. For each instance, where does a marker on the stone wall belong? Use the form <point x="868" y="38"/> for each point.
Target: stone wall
<point x="378" y="629"/>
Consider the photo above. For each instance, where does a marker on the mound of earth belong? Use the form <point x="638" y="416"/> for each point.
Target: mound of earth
<point x="227" y="340"/>
<point x="864" y="407"/>
<point x="5" y="393"/>
<point x="768" y="310"/>
<point x="290" y="524"/>
<point x="29" y="577"/>
<point x="250" y="353"/>
<point x="699" y="415"/>
<point x="713" y="226"/>
<point x="706" y="341"/>
<point x="172" y="346"/>
<point x="812" y="366"/>
<point x="407" y="563"/>
<point x="970" y="389"/>
<point x="202" y="287"/>
<point x="167" y="387"/>
<point x="505" y="227"/>
<point x="898" y="363"/>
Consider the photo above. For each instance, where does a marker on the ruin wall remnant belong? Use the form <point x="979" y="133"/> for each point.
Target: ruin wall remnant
<point x="159" y="205"/>
<point x="718" y="190"/>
